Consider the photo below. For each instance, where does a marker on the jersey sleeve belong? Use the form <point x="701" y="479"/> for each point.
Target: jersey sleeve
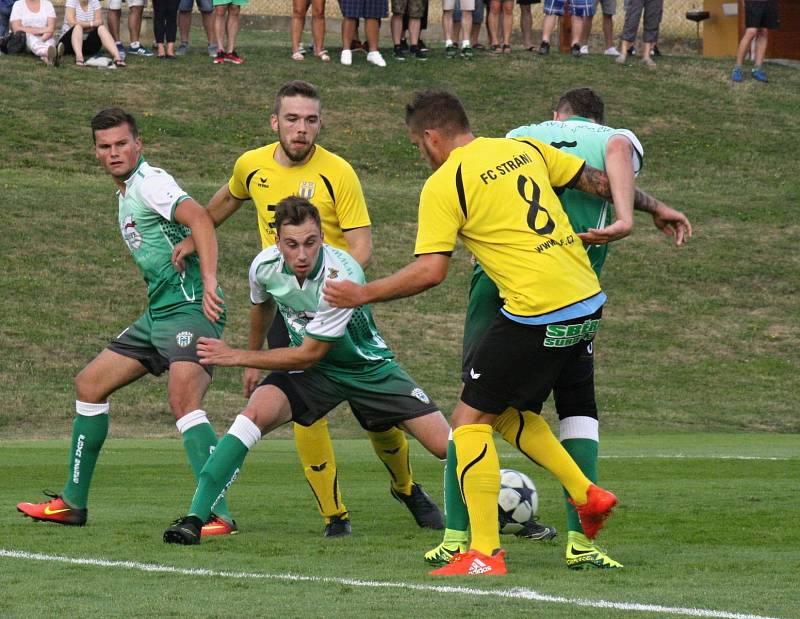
<point x="637" y="157"/>
<point x="329" y="323"/>
<point x="351" y="208"/>
<point x="237" y="184"/>
<point x="16" y="12"/>
<point x="160" y="193"/>
<point x="258" y="293"/>
<point x="49" y="9"/>
<point x="440" y="219"/>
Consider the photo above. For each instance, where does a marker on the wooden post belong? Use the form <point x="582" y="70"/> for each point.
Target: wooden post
<point x="565" y="30"/>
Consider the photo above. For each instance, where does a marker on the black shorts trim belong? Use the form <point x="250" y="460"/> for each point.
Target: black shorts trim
<point x="282" y="381"/>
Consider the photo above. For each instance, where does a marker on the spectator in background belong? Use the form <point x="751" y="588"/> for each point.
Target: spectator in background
<point x="526" y="23"/>
<point x="609" y="9"/>
<point x="299" y="10"/>
<point x="5" y="16"/>
<point x="448" y="7"/>
<point x="226" y="22"/>
<point x="37" y="19"/>
<point x="135" y="10"/>
<point x="185" y="24"/>
<point x="371" y="11"/>
<point x="555" y="8"/>
<point x="423" y="26"/>
<point x="84" y="32"/>
<point x="477" y="22"/>
<point x="415" y="10"/>
<point x="653" y="11"/>
<point x="508" y="25"/>
<point x="760" y="16"/>
<point x="165" y="27"/>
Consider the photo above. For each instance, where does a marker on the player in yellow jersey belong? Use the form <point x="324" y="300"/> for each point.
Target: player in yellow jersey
<point x="498" y="196"/>
<point x="296" y="165"/>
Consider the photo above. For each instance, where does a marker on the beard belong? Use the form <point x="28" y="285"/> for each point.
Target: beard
<point x="297" y="155"/>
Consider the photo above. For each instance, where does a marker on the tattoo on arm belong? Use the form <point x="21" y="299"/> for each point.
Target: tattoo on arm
<point x="642" y="201"/>
<point x="595" y="182"/>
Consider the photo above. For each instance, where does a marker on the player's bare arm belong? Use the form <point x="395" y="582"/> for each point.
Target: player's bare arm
<point x="261" y="317"/>
<point x="359" y="244"/>
<point x="425" y="272"/>
<point x="668" y="220"/>
<point x="221" y="206"/>
<point x="622" y="184"/>
<point x="191" y="214"/>
<point x="216" y="352"/>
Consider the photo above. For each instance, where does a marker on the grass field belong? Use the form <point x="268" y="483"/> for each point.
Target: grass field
<point x="701" y="526"/>
<point x="697" y="359"/>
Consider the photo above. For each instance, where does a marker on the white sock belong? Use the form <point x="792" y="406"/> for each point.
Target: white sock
<point x="88" y="409"/>
<point x="448" y="42"/>
<point x="245" y="430"/>
<point x="464" y="43"/>
<point x="190" y="420"/>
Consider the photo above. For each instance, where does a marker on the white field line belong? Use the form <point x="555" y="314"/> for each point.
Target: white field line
<point x="513" y="594"/>
<point x="512" y="455"/>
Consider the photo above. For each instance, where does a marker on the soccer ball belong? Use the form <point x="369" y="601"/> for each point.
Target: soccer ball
<point x="517" y="502"/>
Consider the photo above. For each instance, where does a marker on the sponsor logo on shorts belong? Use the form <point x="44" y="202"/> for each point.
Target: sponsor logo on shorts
<point x="560" y="336"/>
<point x="473" y="374"/>
<point x="421" y="395"/>
<point x="306" y="189"/>
<point x="184" y="338"/>
<point x="131" y="236"/>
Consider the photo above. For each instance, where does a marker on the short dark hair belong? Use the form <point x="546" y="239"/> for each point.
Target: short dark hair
<point x="113" y="117"/>
<point x="436" y="109"/>
<point x="582" y="102"/>
<point x="295" y="88"/>
<point x="294" y="210"/>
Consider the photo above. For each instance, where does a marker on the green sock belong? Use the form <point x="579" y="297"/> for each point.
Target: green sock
<point x="88" y="435"/>
<point x="456" y="516"/>
<point x="219" y="472"/>
<point x="584" y="452"/>
<point x="199" y="442"/>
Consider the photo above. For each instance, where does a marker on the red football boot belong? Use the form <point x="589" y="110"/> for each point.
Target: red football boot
<point x="54" y="510"/>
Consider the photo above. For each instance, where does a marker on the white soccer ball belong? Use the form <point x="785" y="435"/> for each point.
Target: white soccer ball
<point x="517" y="502"/>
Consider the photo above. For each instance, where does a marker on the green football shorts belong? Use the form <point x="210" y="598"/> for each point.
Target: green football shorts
<point x="379" y="400"/>
<point x="158" y="342"/>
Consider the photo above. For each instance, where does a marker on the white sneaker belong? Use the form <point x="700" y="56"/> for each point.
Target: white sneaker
<point x="584" y="50"/>
<point x="376" y="59"/>
<point x="347" y="57"/>
<point x="611" y="51"/>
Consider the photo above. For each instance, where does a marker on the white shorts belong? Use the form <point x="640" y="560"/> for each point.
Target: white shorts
<point x="466" y="5"/>
<point x="116" y="5"/>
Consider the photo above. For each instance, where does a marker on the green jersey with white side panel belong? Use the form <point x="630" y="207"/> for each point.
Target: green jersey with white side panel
<point x="359" y="349"/>
<point x="148" y="227"/>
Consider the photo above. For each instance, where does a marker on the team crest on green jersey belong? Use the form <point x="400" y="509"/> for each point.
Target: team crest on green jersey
<point x="421" y="395"/>
<point x="333" y="273"/>
<point x="184" y="338"/>
<point x="306" y="189"/>
<point x="559" y="336"/>
<point x="131" y="236"/>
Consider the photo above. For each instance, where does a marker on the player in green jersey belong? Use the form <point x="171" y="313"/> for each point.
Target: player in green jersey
<point x="154" y="215"/>
<point x="576" y="128"/>
<point x="335" y="355"/>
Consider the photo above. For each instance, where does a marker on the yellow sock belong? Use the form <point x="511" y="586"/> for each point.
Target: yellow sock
<point x="315" y="450"/>
<point x="529" y="433"/>
<point x="479" y="479"/>
<point x="391" y="447"/>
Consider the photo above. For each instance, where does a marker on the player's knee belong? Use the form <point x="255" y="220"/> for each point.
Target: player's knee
<point x="86" y="387"/>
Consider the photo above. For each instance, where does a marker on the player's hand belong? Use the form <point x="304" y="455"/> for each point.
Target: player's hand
<point x="213" y="305"/>
<point x="250" y="380"/>
<point x="672" y="223"/>
<point x="601" y="236"/>
<point x="214" y="352"/>
<point x="181" y="251"/>
<point x="343" y="293"/>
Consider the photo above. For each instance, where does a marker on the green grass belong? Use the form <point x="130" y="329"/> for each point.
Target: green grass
<point x="697" y="340"/>
<point x="694" y="529"/>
